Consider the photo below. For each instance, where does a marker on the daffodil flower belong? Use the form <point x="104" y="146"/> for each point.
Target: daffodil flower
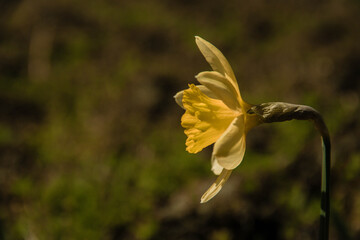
<point x="216" y="113"/>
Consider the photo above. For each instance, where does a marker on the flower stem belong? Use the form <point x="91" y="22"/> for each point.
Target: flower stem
<point x="279" y="112"/>
<point x="325" y="190"/>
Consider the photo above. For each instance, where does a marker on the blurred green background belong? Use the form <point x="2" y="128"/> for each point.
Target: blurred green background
<point x="91" y="145"/>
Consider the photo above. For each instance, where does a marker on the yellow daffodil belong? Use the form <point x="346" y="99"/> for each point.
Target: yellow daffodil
<point x="216" y="113"/>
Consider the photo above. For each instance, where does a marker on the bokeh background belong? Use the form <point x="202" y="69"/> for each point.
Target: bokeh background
<point x="91" y="145"/>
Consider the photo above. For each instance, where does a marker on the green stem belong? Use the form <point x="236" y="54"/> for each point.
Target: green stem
<point x="325" y="190"/>
<point x="279" y="112"/>
<point x="325" y="176"/>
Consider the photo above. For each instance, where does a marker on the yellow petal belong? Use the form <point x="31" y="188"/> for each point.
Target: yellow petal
<point x="204" y="120"/>
<point x="215" y="166"/>
<point x="216" y="59"/>
<point x="216" y="187"/>
<point x="229" y="150"/>
<point x="221" y="87"/>
<point x="219" y="63"/>
<point x="178" y="98"/>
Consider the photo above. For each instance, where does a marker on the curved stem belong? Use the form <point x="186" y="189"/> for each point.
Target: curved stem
<point x="279" y="112"/>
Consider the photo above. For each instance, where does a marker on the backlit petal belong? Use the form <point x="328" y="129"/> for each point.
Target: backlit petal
<point x="229" y="150"/>
<point x="216" y="59"/>
<point x="219" y="63"/>
<point x="221" y="87"/>
<point x="216" y="187"/>
<point x="204" y="120"/>
<point x="178" y="98"/>
<point x="215" y="166"/>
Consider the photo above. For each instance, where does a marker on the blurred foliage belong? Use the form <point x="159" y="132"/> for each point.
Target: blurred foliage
<point x="91" y="145"/>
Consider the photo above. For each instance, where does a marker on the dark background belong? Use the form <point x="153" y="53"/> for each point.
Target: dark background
<point x="91" y="145"/>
